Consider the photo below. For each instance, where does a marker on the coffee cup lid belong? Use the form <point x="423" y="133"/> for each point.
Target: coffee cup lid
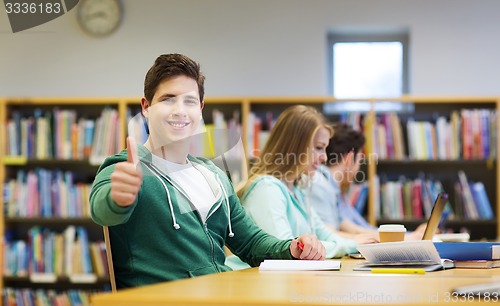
<point x="392" y="228"/>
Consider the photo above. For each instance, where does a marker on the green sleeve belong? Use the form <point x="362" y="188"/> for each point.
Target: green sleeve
<point x="251" y="243"/>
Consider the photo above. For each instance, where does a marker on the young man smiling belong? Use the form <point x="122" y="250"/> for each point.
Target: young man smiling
<point x="169" y="213"/>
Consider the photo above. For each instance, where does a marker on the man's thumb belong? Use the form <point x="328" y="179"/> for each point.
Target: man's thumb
<point x="132" y="151"/>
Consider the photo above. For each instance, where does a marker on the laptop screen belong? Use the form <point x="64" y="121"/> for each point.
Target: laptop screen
<point x="435" y="218"/>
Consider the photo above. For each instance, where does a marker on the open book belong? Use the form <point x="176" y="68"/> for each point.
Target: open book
<point x="298" y="265"/>
<point x="405" y="254"/>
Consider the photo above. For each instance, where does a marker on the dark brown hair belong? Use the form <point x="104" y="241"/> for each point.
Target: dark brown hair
<point x="172" y="65"/>
<point x="345" y="139"/>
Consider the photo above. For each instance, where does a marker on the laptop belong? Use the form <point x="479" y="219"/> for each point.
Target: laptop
<point x="435" y="217"/>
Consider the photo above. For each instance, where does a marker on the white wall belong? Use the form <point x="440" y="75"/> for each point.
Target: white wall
<point x="259" y="47"/>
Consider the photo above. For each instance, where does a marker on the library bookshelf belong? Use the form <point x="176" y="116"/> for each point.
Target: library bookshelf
<point x="474" y="154"/>
<point x="252" y="117"/>
<point x="49" y="241"/>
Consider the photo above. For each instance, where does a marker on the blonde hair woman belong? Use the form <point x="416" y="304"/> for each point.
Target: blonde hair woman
<point x="289" y="150"/>
<point x="273" y="197"/>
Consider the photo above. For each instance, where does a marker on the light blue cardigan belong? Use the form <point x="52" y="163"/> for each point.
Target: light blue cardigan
<point x="285" y="215"/>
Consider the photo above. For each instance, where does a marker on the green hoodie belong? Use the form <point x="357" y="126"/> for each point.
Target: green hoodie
<point x="147" y="247"/>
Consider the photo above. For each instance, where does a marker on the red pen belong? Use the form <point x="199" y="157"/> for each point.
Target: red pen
<point x="300" y="245"/>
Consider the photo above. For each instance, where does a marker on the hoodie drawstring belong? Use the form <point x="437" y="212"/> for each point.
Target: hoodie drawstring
<point x="231" y="234"/>
<point x="174" y="221"/>
<point x="176" y="225"/>
<point x="172" y="213"/>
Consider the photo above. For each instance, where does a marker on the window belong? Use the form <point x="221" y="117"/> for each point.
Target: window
<point x="368" y="65"/>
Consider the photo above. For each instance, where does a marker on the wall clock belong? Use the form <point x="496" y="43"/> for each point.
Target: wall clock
<point x="99" y="17"/>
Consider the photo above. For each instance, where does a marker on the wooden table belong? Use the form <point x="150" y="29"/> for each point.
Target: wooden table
<point x="273" y="288"/>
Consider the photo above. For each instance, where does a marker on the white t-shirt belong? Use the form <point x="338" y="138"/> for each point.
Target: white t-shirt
<point x="191" y="181"/>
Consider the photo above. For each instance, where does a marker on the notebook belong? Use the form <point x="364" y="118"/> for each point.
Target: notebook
<point x="299" y="265"/>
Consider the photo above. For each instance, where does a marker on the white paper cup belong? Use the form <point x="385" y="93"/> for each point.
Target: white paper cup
<point x="391" y="232"/>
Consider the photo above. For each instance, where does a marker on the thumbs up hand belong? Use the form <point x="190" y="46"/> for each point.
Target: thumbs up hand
<point x="126" y="180"/>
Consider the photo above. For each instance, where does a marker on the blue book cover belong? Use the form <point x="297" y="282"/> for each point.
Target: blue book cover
<point x="16" y="138"/>
<point x="482" y="202"/>
<point x="485" y="132"/>
<point x="86" y="261"/>
<point x="361" y="200"/>
<point x="19" y="297"/>
<point x="468" y="250"/>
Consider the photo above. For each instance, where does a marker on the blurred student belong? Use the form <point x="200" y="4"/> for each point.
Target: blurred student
<point x="332" y="182"/>
<point x="272" y="195"/>
<point x="169" y="213"/>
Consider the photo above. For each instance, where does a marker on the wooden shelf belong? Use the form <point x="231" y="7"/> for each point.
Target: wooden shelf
<point x="49" y="221"/>
<point x="449" y="222"/>
<point x="52" y="163"/>
<point x="418" y="163"/>
<point x="63" y="101"/>
<point x="62" y="282"/>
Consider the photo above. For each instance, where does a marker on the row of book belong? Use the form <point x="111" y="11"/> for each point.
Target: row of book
<point x="60" y="134"/>
<point x="222" y="137"/>
<point x="258" y="130"/>
<point x="356" y="120"/>
<point x="407" y="198"/>
<point x="48" y="254"/>
<point x="472" y="201"/>
<point x="414" y="199"/>
<point x="137" y="126"/>
<point x="46" y="193"/>
<point x="357" y="196"/>
<point x="468" y="134"/>
<point x="39" y="297"/>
